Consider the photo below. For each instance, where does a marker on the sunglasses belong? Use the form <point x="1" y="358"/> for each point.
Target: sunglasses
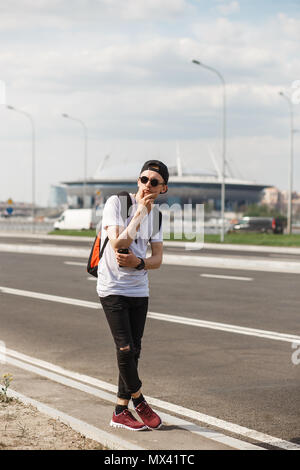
<point x="154" y="182"/>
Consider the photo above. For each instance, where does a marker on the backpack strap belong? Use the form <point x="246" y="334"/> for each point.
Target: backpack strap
<point x="125" y="206"/>
<point x="125" y="203"/>
<point x="96" y="254"/>
<point x="157" y="217"/>
<point x="103" y="247"/>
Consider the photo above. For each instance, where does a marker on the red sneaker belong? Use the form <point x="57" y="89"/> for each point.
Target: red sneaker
<point x="148" y="416"/>
<point x="126" y="420"/>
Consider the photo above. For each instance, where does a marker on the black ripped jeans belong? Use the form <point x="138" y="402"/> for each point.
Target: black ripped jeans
<point x="126" y="317"/>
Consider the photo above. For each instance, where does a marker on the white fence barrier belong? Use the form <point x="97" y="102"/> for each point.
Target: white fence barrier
<point x="21" y="225"/>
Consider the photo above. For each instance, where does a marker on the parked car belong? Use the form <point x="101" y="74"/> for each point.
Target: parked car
<point x="77" y="219"/>
<point x="260" y="224"/>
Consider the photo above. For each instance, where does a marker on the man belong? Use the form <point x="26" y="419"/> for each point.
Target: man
<point x="123" y="286"/>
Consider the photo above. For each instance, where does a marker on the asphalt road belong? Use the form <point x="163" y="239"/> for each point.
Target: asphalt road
<point x="246" y="380"/>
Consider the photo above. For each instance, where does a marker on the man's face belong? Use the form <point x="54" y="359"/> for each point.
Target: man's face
<point x="147" y="188"/>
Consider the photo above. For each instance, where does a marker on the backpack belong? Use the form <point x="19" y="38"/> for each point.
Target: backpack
<point x="96" y="254"/>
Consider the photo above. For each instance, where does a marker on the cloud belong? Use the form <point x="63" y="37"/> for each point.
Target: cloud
<point x="248" y="52"/>
<point x="60" y="14"/>
<point x="125" y="69"/>
<point x="226" y="8"/>
<point x="289" y="26"/>
<point x="151" y="82"/>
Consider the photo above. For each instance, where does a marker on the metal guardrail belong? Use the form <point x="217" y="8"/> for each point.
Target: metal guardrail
<point x="15" y="225"/>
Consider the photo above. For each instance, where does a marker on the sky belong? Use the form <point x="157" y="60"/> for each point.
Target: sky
<point x="124" y="68"/>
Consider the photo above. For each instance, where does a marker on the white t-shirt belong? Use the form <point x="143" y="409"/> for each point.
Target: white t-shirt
<point x="116" y="280"/>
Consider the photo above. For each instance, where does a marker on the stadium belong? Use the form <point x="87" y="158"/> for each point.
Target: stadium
<point x="201" y="188"/>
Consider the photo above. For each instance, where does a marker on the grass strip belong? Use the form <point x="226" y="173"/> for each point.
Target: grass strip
<point x="231" y="238"/>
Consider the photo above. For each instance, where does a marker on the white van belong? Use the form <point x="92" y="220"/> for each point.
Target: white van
<point x="77" y="219"/>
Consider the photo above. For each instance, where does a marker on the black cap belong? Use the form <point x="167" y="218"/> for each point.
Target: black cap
<point x="159" y="167"/>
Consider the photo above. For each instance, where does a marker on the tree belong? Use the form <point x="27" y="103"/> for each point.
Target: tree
<point x="255" y="210"/>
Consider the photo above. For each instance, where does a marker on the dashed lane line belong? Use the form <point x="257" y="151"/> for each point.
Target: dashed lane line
<point x="75" y="263"/>
<point x="217" y="276"/>
<point x="234" y="278"/>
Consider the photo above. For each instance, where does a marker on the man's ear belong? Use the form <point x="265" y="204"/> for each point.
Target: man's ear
<point x="166" y="190"/>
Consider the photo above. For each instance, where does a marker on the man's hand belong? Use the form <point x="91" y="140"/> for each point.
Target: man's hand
<point x="146" y="201"/>
<point x="127" y="261"/>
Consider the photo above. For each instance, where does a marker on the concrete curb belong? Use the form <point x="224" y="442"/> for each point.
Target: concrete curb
<point x="89" y="431"/>
<point x="253" y="248"/>
<point x="45" y="236"/>
<point x="49" y="250"/>
<point x="239" y="263"/>
<point x="189" y="246"/>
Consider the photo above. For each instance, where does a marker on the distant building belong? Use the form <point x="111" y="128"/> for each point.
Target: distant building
<point x="272" y="197"/>
<point x="276" y="199"/>
<point x="58" y="196"/>
<point x="183" y="189"/>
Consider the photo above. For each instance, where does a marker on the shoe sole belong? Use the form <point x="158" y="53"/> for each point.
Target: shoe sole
<point x="157" y="427"/>
<point x="119" y="425"/>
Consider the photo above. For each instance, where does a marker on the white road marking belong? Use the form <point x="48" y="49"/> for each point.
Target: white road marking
<point x="55" y="373"/>
<point x="226" y="327"/>
<point x="75" y="263"/>
<point x="240" y="263"/>
<point x="48" y="250"/>
<point x="236" y="247"/>
<point x="103" y="437"/>
<point x="49" y="297"/>
<point x="215" y="246"/>
<point x="219" y="276"/>
<point x="282" y="255"/>
<point x="163" y="317"/>
<point x="243" y="264"/>
<point x="74" y="383"/>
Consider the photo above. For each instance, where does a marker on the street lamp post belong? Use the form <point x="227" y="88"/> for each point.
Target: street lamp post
<point x="85" y="134"/>
<point x="223" y="144"/>
<point x="292" y="130"/>
<point x="32" y="160"/>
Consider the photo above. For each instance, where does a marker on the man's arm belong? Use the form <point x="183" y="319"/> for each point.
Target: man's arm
<point x="155" y="260"/>
<point x="121" y="237"/>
